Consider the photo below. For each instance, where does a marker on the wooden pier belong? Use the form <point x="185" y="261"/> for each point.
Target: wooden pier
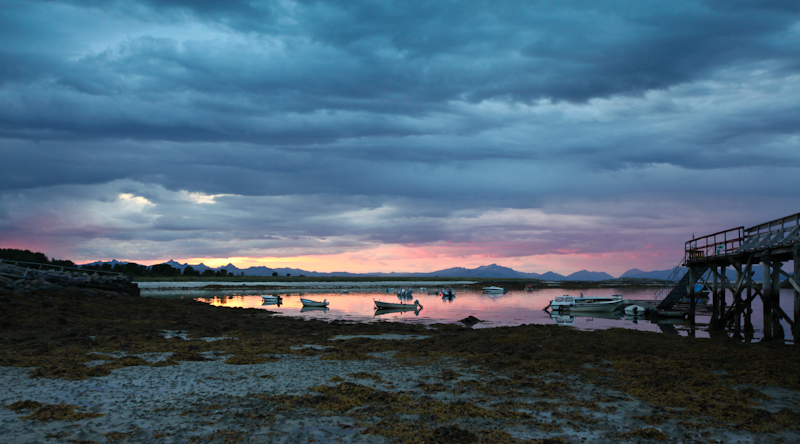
<point x="708" y="258"/>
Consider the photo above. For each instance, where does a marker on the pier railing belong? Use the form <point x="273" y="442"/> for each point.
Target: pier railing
<point x="776" y="233"/>
<point x="717" y="244"/>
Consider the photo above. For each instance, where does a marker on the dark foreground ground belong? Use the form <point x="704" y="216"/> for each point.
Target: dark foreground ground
<point x="85" y="366"/>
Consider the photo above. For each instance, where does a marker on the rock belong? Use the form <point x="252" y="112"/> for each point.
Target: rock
<point x="470" y="321"/>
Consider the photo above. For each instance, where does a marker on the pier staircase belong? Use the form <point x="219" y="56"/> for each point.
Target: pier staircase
<point x="681" y="289"/>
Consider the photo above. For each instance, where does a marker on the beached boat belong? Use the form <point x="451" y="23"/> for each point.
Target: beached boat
<point x="379" y="305"/>
<point x="584" y="303"/>
<point x="310" y="303"/>
<point x="494" y="290"/>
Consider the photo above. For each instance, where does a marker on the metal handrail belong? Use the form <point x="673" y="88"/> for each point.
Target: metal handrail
<point x="718" y="244"/>
<point x="782" y="224"/>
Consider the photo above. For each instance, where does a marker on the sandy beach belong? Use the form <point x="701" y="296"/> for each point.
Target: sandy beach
<point x="83" y="367"/>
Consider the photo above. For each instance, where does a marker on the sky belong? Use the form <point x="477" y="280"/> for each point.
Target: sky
<point x="379" y="135"/>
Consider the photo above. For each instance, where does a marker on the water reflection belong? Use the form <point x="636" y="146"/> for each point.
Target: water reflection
<point x="306" y="309"/>
<point x="504" y="309"/>
<point x="383" y="311"/>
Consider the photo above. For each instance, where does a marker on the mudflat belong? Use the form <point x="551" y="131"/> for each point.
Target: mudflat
<point x="83" y="366"/>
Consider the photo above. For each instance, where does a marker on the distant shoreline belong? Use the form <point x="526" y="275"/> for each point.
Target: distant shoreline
<point x="508" y="283"/>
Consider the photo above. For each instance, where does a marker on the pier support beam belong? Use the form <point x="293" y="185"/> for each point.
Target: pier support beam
<point x="796" y="278"/>
<point x="714" y="324"/>
<point x="766" y="296"/>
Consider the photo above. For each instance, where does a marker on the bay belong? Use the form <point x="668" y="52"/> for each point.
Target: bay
<point x="355" y="304"/>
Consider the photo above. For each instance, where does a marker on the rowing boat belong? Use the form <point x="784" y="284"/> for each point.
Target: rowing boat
<point x="379" y="304"/>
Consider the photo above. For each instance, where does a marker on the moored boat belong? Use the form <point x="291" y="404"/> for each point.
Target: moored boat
<point x="271" y="298"/>
<point x="379" y="305"/>
<point x="635" y="310"/>
<point x="447" y="292"/>
<point x="494" y="290"/>
<point x="586" y="303"/>
<point x="310" y="303"/>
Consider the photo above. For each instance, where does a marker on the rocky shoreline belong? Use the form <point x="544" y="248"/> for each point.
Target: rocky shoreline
<point x="87" y="365"/>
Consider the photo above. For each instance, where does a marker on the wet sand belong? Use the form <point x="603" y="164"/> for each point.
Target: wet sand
<point x="87" y="366"/>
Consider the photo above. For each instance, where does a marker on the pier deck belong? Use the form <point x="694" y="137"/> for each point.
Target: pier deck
<point x="708" y="259"/>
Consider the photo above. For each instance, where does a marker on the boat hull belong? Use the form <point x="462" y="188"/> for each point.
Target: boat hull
<point x="586" y="304"/>
<point x="386" y="305"/>
<point x="310" y="303"/>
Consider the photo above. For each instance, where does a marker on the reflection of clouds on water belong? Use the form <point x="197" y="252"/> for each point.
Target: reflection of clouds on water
<point x="510" y="309"/>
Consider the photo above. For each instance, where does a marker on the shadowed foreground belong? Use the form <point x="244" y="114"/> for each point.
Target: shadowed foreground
<point x="88" y="366"/>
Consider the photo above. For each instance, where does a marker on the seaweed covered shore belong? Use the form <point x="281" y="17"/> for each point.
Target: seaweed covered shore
<point x="81" y="366"/>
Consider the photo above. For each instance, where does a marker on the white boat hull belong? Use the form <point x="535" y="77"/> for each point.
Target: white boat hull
<point x="586" y="304"/>
<point x="384" y="305"/>
<point x="310" y="303"/>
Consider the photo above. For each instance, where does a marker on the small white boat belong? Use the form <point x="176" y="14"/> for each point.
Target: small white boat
<point x="405" y="292"/>
<point x="494" y="290"/>
<point x="380" y="305"/>
<point x="271" y="298"/>
<point x="447" y="292"/>
<point x="310" y="303"/>
<point x="635" y="310"/>
<point x="583" y="303"/>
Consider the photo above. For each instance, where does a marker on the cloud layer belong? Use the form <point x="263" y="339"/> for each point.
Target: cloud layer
<point x="532" y="133"/>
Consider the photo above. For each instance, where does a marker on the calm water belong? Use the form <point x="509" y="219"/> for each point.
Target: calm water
<point x="510" y="309"/>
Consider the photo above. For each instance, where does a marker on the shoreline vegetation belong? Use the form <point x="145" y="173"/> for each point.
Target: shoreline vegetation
<point x="508" y="283"/>
<point x="92" y="365"/>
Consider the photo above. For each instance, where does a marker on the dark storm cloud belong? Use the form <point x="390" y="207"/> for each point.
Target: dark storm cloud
<point x="383" y="59"/>
<point x="232" y="128"/>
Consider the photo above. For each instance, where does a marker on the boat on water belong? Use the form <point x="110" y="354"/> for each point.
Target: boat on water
<point x="447" y="292"/>
<point x="405" y="292"/>
<point x="385" y="305"/>
<point x="494" y="290"/>
<point x="635" y="310"/>
<point x="310" y="303"/>
<point x="271" y="298"/>
<point x="586" y="303"/>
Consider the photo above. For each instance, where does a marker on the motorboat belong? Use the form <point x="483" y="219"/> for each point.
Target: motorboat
<point x="635" y="310"/>
<point x="586" y="303"/>
<point x="405" y="293"/>
<point x="447" y="292"/>
<point x="271" y="298"/>
<point x="494" y="290"/>
<point x="310" y="303"/>
<point x="384" y="305"/>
